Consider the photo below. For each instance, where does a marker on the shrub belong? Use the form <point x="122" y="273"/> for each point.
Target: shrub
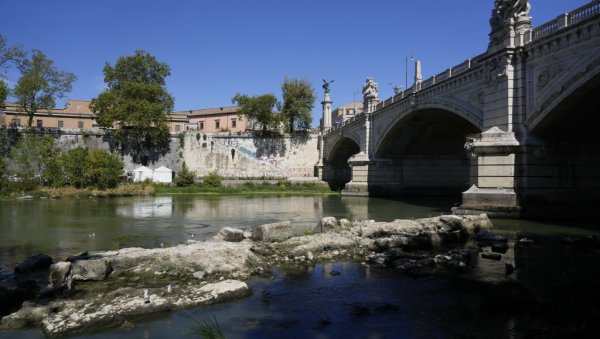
<point x="75" y="163"/>
<point x="36" y="160"/>
<point x="184" y="177"/>
<point x="213" y="179"/>
<point x="104" y="169"/>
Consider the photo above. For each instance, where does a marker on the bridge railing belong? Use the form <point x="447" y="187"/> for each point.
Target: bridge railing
<point x="447" y="74"/>
<point x="567" y="19"/>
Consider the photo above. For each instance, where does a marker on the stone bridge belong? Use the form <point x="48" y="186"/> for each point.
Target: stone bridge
<point x="515" y="129"/>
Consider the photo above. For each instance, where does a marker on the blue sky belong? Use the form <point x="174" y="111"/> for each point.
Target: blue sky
<point x="218" y="48"/>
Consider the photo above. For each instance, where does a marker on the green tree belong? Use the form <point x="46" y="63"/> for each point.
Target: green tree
<point x="36" y="160"/>
<point x="184" y="177"/>
<point x="75" y="163"/>
<point x="2" y="175"/>
<point x="258" y="108"/>
<point x="40" y="84"/>
<point x="298" y="102"/>
<point x="103" y="169"/>
<point x="136" y="102"/>
<point x="7" y="55"/>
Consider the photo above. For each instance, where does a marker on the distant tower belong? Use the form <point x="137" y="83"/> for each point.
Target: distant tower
<point x="326" y="105"/>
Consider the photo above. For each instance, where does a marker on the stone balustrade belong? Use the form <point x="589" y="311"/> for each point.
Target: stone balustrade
<point x="567" y="19"/>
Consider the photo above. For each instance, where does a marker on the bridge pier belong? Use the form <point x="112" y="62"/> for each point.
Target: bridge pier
<point x="359" y="185"/>
<point x="493" y="155"/>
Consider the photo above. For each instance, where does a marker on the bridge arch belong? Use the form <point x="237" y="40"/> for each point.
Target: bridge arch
<point x="583" y="76"/>
<point x="563" y="172"/>
<point x="425" y="150"/>
<point x="338" y="169"/>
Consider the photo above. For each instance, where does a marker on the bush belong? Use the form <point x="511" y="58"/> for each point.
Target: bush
<point x="213" y="179"/>
<point x="75" y="167"/>
<point x="184" y="177"/>
<point x="103" y="169"/>
<point x="3" y="180"/>
<point x="37" y="160"/>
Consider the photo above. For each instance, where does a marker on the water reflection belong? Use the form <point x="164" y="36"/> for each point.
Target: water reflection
<point x="156" y="207"/>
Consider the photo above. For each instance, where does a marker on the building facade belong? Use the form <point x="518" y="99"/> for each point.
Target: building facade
<point x="78" y="115"/>
<point x="346" y="112"/>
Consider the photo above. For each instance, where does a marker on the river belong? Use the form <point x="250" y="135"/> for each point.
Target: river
<point x="363" y="301"/>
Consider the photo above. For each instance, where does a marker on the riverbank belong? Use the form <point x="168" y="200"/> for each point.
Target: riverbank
<point x="103" y="289"/>
<point x="146" y="189"/>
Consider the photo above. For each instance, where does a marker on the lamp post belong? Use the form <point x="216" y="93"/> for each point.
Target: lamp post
<point x="412" y="58"/>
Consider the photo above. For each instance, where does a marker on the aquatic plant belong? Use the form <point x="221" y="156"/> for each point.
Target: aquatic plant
<point x="207" y="329"/>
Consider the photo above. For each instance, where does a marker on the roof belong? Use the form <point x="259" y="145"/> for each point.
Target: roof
<point x="142" y="168"/>
<point x="163" y="169"/>
<point x="209" y="111"/>
<point x="77" y="107"/>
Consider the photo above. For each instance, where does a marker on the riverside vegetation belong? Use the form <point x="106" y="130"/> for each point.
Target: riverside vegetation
<point x="33" y="165"/>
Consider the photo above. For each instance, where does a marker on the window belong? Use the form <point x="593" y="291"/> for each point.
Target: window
<point x="217" y="124"/>
<point x="233" y="123"/>
<point x="61" y="124"/>
<point x="39" y="123"/>
<point x="177" y="128"/>
<point x="350" y="112"/>
<point x="80" y="124"/>
<point x="17" y="122"/>
<point x="201" y="125"/>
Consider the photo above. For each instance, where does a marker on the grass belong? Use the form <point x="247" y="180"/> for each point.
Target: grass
<point x="140" y="189"/>
<point x="248" y="188"/>
<point x="207" y="329"/>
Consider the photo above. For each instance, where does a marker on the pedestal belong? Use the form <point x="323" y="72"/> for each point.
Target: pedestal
<point x="493" y="163"/>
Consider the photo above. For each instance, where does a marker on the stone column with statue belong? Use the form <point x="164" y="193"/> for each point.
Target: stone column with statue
<point x="495" y="152"/>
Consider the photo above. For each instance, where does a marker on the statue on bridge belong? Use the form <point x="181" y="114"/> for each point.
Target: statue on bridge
<point x="509" y="9"/>
<point x="370" y="89"/>
<point x="326" y="85"/>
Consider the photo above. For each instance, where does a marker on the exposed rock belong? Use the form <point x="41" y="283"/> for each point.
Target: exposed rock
<point x="34" y="263"/>
<point x="326" y="224"/>
<point x="60" y="276"/>
<point x="199" y="275"/>
<point x="95" y="269"/>
<point x="130" y="271"/>
<point x="275" y="232"/>
<point x="300" y="246"/>
<point x="489" y="237"/>
<point x="76" y="316"/>
<point x="491" y="256"/>
<point x="230" y="234"/>
<point x="345" y="223"/>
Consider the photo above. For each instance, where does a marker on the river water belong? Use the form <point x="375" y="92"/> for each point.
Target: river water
<point x="362" y="302"/>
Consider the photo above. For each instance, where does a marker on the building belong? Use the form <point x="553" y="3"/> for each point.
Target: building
<point x="77" y="115"/>
<point x="346" y="112"/>
<point x="212" y="120"/>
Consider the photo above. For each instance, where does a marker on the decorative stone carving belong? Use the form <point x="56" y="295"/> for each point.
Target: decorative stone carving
<point x="370" y="92"/>
<point x="548" y="75"/>
<point x="508" y="9"/>
<point x="370" y="89"/>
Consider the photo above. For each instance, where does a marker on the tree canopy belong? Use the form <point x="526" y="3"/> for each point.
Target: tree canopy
<point x="298" y="101"/>
<point x="136" y="102"/>
<point x="8" y="54"/>
<point x="40" y="84"/>
<point x="258" y="108"/>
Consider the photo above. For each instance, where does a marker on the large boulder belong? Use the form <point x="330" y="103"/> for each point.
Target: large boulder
<point x="327" y="224"/>
<point x="275" y="232"/>
<point x="60" y="276"/>
<point x="95" y="269"/>
<point x="34" y="263"/>
<point x="230" y="234"/>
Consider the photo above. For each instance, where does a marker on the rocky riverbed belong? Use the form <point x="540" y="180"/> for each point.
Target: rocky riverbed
<point x="104" y="289"/>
